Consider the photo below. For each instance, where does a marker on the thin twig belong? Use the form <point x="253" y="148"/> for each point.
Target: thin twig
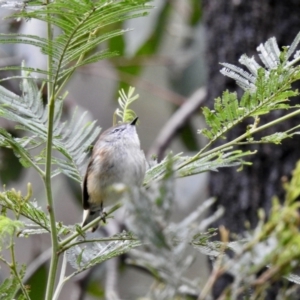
<point x="69" y="239"/>
<point x="13" y="267"/>
<point x="98" y="240"/>
<point x="111" y="279"/>
<point x="61" y="281"/>
<point x="179" y="118"/>
<point x="238" y="139"/>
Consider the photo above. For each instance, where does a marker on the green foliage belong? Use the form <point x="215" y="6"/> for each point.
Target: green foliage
<point x="82" y="27"/>
<point x="185" y="166"/>
<point x="93" y="252"/>
<point x="52" y="146"/>
<point x="126" y="115"/>
<point x="49" y="145"/>
<point x="266" y="88"/>
<point x="71" y="139"/>
<point x="8" y="229"/>
<point x="274" y="243"/>
<point x="276" y="138"/>
<point x="292" y="188"/>
<point x="165" y="252"/>
<point x="10" y="286"/>
<point x="213" y="162"/>
<point x="26" y="207"/>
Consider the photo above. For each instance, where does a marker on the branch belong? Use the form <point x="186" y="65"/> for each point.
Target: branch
<point x="13" y="268"/>
<point x="236" y="141"/>
<point x="66" y="241"/>
<point x="47" y="180"/>
<point x="176" y="122"/>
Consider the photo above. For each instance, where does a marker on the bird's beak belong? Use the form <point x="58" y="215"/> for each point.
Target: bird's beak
<point x="134" y="121"/>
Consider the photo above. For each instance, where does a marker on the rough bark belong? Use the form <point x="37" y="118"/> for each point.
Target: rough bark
<point x="233" y="28"/>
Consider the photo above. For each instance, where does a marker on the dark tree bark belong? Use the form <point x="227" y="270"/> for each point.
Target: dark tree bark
<point x="233" y="28"/>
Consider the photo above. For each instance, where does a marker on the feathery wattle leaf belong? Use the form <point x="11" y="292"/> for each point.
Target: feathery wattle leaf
<point x="81" y="27"/>
<point x="71" y="140"/>
<point x="266" y="89"/>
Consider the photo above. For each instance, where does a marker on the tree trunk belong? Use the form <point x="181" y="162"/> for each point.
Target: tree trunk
<point x="233" y="28"/>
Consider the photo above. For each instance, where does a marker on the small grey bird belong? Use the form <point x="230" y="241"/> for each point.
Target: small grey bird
<point x="116" y="159"/>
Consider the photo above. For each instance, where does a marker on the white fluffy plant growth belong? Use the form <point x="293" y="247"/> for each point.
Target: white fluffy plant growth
<point x="52" y="147"/>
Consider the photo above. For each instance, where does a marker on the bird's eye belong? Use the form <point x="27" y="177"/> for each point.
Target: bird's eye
<point x="117" y="130"/>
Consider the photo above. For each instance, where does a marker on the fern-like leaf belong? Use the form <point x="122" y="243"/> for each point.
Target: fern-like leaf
<point x="84" y="256"/>
<point x="20" y="206"/>
<point x="72" y="139"/>
<point x="214" y="161"/>
<point x="11" y="285"/>
<point x="82" y="25"/>
<point x="124" y="112"/>
<point x="266" y="89"/>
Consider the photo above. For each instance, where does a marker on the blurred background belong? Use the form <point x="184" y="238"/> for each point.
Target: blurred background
<point x="171" y="57"/>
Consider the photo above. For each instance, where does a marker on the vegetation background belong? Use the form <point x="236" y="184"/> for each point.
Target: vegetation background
<point x="163" y="57"/>
<point x="246" y="25"/>
<point x="168" y="56"/>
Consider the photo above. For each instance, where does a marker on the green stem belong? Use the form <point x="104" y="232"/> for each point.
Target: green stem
<point x="66" y="79"/>
<point x="87" y="227"/>
<point x="61" y="277"/>
<point x="243" y="117"/>
<point x="34" y="165"/>
<point x="72" y="72"/>
<point x="54" y="241"/>
<point x="240" y="138"/>
<point x="13" y="268"/>
<point x="51" y="105"/>
<point x="253" y="131"/>
<point x="291" y="63"/>
<point x="47" y="181"/>
<point x="108" y="239"/>
<point x="133" y="245"/>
